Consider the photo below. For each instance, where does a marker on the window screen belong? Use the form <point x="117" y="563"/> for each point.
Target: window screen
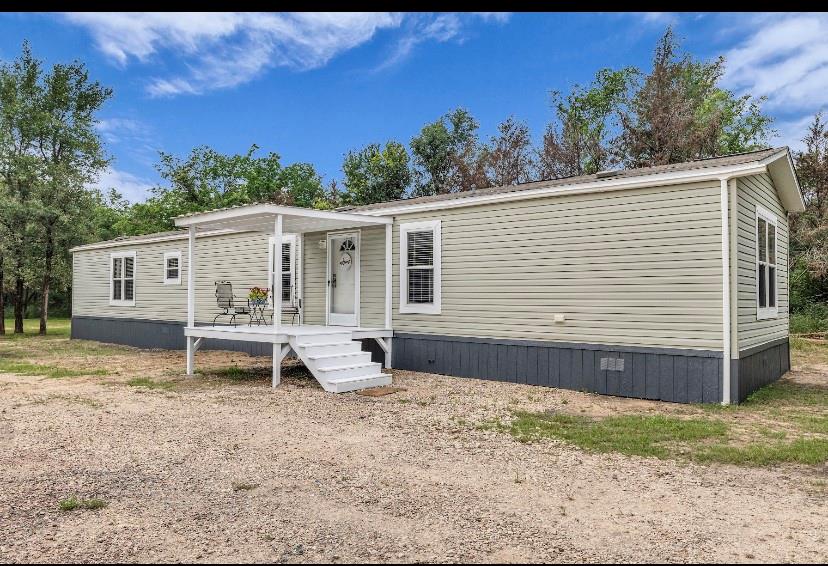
<point x="766" y="268"/>
<point x="420" y="267"/>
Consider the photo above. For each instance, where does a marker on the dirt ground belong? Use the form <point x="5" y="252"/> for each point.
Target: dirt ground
<point x="216" y="469"/>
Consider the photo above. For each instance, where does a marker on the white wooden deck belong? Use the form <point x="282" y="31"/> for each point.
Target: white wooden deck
<point x="333" y="354"/>
<point x="282" y="335"/>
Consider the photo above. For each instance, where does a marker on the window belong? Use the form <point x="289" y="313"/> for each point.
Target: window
<point x="288" y="268"/>
<point x="122" y="279"/>
<point x="766" y="268"/>
<point x="172" y="268"/>
<point x="420" y="267"/>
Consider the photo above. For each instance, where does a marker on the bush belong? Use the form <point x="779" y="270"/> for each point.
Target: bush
<point x="810" y="318"/>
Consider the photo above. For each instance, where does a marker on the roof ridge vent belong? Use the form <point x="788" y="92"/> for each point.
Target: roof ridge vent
<point x="607" y="173"/>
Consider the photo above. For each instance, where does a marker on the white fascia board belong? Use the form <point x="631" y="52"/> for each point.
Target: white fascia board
<point x="656" y="180"/>
<point x="784" y="177"/>
<point x="239" y="213"/>
<point x="149" y="240"/>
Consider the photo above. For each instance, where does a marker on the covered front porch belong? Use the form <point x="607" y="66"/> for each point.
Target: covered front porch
<point x="330" y="345"/>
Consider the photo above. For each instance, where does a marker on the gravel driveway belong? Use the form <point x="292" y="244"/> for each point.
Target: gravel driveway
<point x="216" y="470"/>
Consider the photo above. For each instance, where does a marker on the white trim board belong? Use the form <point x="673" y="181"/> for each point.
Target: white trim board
<point x="421" y="308"/>
<point x="150" y="239"/>
<point x="766" y="312"/>
<point x="167" y="256"/>
<point x="123" y="302"/>
<point x="255" y="210"/>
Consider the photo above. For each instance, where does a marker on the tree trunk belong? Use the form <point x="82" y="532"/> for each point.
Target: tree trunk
<point x="47" y="279"/>
<point x="19" y="299"/>
<point x="2" y="302"/>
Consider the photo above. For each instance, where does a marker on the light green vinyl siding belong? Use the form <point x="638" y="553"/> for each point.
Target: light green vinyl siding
<point x="753" y="191"/>
<point x="631" y="268"/>
<point x="240" y="258"/>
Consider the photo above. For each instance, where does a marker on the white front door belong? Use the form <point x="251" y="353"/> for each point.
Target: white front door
<point x="343" y="279"/>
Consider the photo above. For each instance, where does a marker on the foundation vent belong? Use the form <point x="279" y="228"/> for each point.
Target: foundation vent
<point x="612" y="364"/>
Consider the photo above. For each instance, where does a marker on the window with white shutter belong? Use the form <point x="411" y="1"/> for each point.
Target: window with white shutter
<point x="420" y="267"/>
<point x="288" y="268"/>
<point x="122" y="279"/>
<point x="766" y="269"/>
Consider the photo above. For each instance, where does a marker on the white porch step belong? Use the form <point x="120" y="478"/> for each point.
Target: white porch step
<point x="328" y="360"/>
<point x="338" y="362"/>
<point x="331" y="348"/>
<point x="343" y="385"/>
<point x="324" y="338"/>
<point x="350" y="370"/>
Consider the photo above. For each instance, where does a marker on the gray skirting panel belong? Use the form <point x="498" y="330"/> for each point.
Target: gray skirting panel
<point x="154" y="334"/>
<point x="682" y="376"/>
<point x="666" y="374"/>
<point x="757" y="367"/>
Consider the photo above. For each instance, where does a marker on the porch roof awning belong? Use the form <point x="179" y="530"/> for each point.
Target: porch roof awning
<point x="261" y="217"/>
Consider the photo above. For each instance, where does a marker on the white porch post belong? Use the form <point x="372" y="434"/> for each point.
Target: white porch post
<point x="191" y="299"/>
<point x="725" y="198"/>
<point x="388" y="275"/>
<point x="277" y="275"/>
<point x="278" y="352"/>
<point x="388" y="288"/>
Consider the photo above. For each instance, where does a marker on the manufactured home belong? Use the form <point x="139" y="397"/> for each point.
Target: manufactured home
<point x="667" y="282"/>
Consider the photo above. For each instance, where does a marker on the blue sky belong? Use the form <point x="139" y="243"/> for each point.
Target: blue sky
<point x="312" y="86"/>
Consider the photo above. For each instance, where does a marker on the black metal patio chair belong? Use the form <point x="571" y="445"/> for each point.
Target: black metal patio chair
<point x="227" y="303"/>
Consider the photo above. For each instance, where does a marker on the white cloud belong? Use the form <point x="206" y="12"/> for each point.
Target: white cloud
<point x="445" y="27"/>
<point x="131" y="187"/>
<point x="115" y="130"/>
<point x="658" y="18"/>
<point x="223" y="50"/>
<point x="784" y="57"/>
<point x="792" y="131"/>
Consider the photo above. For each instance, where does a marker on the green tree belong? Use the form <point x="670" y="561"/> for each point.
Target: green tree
<point x="447" y="155"/>
<point x="679" y="112"/>
<point x="809" y="229"/>
<point x="72" y="154"/>
<point x="509" y="157"/>
<point x="579" y="141"/>
<point x="207" y="179"/>
<point x="376" y="174"/>
<point x="21" y="169"/>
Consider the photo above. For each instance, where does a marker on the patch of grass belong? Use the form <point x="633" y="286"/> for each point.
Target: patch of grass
<point x="787" y="393"/>
<point x="26" y="368"/>
<point x="72" y="503"/>
<point x="804" y="350"/>
<point x="150" y="384"/>
<point x="236" y="373"/>
<point x="810" y="451"/>
<point x="812" y="423"/>
<point x="244" y="486"/>
<point x="812" y="319"/>
<point x="639" y="435"/>
<point x="705" y="440"/>
<point x="56" y="327"/>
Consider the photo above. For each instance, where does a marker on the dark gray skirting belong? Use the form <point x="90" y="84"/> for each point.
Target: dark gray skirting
<point x="666" y="374"/>
<point x="170" y="336"/>
<point x="757" y="367"/>
<point x="154" y="334"/>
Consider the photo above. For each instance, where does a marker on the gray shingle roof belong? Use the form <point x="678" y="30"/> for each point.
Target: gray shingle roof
<point x="728" y="160"/>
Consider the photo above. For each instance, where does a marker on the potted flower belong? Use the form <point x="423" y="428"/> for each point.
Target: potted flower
<point x="257" y="297"/>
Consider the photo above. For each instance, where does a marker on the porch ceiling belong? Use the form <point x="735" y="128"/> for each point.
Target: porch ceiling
<point x="262" y="217"/>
